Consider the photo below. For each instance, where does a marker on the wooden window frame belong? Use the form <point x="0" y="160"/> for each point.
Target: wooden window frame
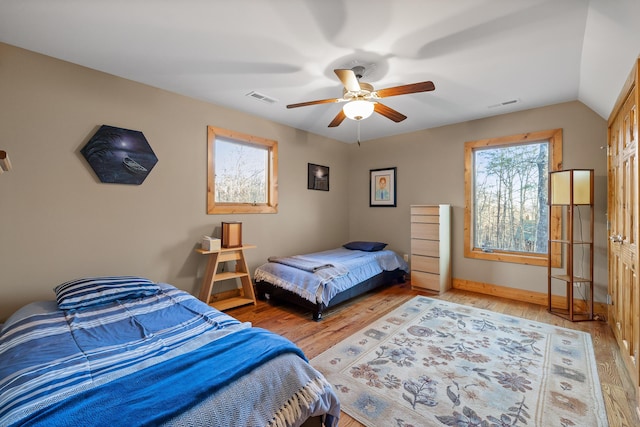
<point x="271" y="206"/>
<point x="554" y="137"/>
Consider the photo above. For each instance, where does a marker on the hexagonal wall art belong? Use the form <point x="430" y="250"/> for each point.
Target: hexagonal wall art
<point x="119" y="156"/>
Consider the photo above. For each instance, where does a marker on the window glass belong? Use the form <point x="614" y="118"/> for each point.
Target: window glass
<point x="510" y="194"/>
<point x="240" y="172"/>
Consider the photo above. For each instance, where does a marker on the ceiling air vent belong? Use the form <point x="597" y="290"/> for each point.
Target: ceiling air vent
<point x="261" y="97"/>
<point x="505" y="103"/>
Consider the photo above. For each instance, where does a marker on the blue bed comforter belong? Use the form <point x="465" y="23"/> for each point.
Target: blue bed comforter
<point x="141" y="362"/>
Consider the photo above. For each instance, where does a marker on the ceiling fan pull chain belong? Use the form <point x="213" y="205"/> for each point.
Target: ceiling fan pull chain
<point x="359" y="132"/>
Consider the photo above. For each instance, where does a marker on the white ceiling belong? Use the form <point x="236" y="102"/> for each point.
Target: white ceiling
<point x="478" y="53"/>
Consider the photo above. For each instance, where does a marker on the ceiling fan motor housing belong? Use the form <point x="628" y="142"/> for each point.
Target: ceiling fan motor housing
<point x="365" y="92"/>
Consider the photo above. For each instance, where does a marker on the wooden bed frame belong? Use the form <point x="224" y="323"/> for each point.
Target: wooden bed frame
<point x="268" y="291"/>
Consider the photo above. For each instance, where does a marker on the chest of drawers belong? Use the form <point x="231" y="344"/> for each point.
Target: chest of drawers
<point x="431" y="248"/>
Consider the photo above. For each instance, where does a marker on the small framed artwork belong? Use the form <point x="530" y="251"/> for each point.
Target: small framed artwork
<point x="317" y="177"/>
<point x="383" y="187"/>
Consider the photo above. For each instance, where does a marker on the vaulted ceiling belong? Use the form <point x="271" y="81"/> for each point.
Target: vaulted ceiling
<point x="485" y="57"/>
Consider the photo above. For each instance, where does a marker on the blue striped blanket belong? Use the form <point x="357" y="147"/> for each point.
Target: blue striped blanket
<point x="142" y="360"/>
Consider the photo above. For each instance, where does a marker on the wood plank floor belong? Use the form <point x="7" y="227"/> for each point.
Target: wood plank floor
<point x="342" y="321"/>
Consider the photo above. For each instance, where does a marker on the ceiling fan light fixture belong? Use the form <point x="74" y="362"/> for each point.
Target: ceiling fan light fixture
<point x="358" y="110"/>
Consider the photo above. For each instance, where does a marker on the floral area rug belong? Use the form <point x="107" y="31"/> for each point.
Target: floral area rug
<point x="433" y="363"/>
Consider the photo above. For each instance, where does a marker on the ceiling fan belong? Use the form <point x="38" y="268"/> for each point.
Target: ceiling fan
<point x="362" y="100"/>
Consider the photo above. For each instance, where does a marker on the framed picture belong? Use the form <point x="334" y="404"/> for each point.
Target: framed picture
<point x="383" y="187"/>
<point x="119" y="156"/>
<point x="317" y="177"/>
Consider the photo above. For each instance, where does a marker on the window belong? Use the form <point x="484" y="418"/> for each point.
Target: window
<point x="506" y="188"/>
<point x="242" y="173"/>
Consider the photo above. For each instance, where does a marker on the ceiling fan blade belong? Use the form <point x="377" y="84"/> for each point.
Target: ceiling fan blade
<point x="319" y="101"/>
<point x="337" y="119"/>
<point x="388" y="112"/>
<point x="348" y="79"/>
<point x="406" y="89"/>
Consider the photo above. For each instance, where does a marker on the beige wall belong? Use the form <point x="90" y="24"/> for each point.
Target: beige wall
<point x="58" y="222"/>
<point x="431" y="171"/>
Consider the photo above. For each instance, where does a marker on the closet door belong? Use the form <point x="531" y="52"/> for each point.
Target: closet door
<point x="624" y="310"/>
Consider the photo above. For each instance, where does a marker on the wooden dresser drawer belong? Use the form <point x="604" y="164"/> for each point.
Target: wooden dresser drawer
<point x="425" y="231"/>
<point x="425" y="210"/>
<point x="427" y="281"/>
<point x="428" y="219"/>
<point x="425" y="247"/>
<point x="425" y="264"/>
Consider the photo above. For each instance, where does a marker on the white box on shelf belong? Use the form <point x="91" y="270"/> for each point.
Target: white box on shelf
<point x="210" y="243"/>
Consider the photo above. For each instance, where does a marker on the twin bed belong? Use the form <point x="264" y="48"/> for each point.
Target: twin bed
<point x="126" y="351"/>
<point x="320" y="280"/>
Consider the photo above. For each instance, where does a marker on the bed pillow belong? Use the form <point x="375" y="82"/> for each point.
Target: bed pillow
<point x="32" y="309"/>
<point x="365" y="246"/>
<point x="91" y="291"/>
